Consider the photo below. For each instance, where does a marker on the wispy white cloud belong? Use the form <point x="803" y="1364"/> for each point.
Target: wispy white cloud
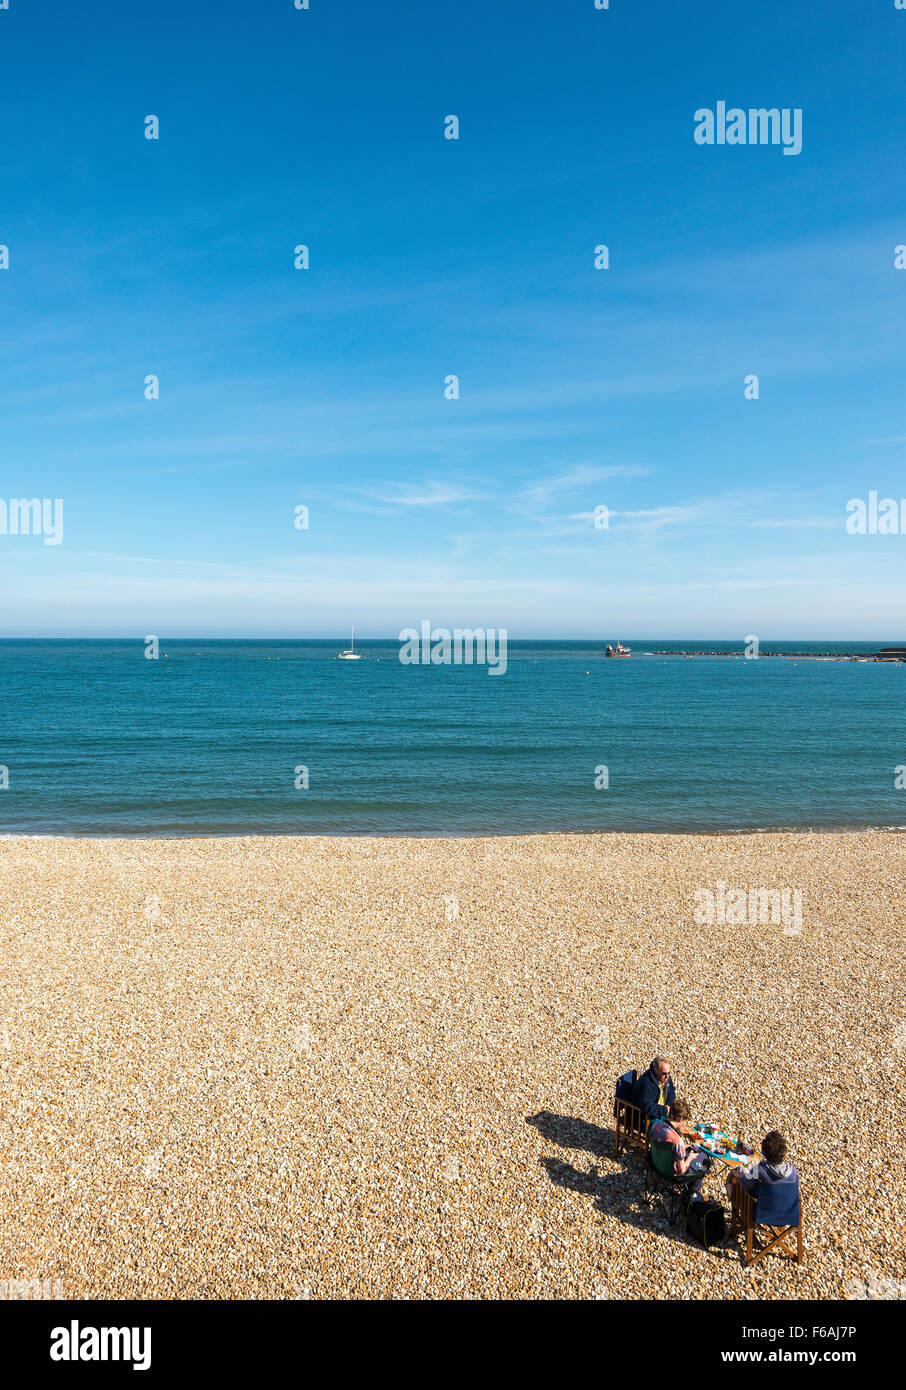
<point x="653" y="518"/>
<point x="539" y="494"/>
<point x="798" y="523"/>
<point x="383" y="498"/>
<point x="531" y="500"/>
<point x="427" y="494"/>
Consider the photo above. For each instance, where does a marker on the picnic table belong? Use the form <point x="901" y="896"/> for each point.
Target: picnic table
<point x="724" y="1154"/>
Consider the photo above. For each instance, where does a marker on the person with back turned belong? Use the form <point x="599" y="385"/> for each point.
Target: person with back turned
<point x="773" y="1167"/>
<point x="654" y="1092"/>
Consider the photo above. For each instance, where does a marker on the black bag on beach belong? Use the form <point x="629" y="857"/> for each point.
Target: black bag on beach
<point x="706" y="1223"/>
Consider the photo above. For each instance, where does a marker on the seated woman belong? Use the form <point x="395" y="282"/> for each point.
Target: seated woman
<point x="688" y="1162"/>
<point x="772" y="1167"/>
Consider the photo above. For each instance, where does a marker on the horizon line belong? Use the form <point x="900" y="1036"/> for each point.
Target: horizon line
<point x="341" y="637"/>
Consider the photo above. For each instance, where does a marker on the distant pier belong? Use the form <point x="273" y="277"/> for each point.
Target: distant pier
<point x="885" y="654"/>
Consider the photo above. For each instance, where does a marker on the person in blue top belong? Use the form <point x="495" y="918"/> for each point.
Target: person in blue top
<point x="654" y="1092"/>
<point x="772" y="1168"/>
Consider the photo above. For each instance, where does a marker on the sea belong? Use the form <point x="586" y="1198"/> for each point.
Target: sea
<point x="233" y="737"/>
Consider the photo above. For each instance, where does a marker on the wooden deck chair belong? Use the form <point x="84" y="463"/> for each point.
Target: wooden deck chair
<point x="630" y="1125"/>
<point x="776" y="1208"/>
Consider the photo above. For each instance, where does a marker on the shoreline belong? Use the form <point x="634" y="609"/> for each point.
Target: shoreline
<point x="766" y="830"/>
<point x="337" y="1067"/>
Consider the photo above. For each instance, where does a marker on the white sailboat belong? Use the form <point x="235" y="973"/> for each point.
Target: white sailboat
<point x="350" y="653"/>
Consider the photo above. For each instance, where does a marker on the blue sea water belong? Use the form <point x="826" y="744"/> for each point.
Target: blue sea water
<point x="206" y="740"/>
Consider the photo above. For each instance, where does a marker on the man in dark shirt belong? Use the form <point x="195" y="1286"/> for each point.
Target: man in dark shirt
<point x="654" y="1092"/>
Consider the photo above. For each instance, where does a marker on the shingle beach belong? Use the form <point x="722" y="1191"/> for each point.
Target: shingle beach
<point x="383" y="1068"/>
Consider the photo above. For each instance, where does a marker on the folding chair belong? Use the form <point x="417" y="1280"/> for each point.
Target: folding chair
<point x="631" y="1126"/>
<point x="777" y="1207"/>
<point x="660" y="1178"/>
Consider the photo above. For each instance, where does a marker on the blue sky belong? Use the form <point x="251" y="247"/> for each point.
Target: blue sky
<point x="579" y="388"/>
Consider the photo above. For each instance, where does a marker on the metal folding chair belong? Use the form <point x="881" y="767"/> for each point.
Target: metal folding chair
<point x="660" y="1180"/>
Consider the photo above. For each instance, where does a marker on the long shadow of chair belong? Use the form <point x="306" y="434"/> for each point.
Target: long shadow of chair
<point x="572" y="1133"/>
<point x="609" y="1189"/>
